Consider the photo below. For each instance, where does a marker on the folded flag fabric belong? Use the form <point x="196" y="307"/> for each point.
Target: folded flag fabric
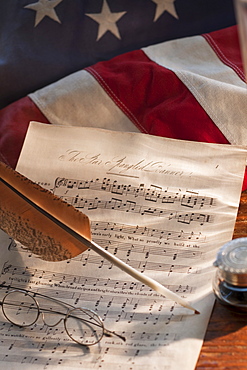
<point x="191" y="88"/>
<point x="42" y="41"/>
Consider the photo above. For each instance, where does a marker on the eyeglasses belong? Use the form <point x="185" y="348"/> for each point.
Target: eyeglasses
<point x="84" y="326"/>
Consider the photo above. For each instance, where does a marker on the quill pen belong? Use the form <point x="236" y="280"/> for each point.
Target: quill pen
<point x="53" y="229"/>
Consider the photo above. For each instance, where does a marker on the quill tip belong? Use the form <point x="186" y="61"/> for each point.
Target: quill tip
<point x="197" y="312"/>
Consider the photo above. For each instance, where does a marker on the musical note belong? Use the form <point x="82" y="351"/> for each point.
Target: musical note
<point x="153" y="193"/>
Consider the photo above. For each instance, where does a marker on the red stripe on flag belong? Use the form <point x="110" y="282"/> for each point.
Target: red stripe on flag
<point x="225" y="44"/>
<point x="14" y="121"/>
<point x="154" y="99"/>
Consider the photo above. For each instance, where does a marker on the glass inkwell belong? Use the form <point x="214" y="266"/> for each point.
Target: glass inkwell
<point x="230" y="281"/>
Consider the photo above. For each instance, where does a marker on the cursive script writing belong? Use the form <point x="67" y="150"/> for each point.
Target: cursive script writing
<point x="119" y="164"/>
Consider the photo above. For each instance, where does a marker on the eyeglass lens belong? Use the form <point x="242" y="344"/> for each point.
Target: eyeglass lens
<point x="20" y="308"/>
<point x="84" y="326"/>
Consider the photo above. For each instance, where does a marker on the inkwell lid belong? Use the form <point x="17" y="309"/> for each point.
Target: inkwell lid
<point x="232" y="261"/>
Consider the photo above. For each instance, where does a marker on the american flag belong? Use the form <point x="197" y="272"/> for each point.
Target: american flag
<point x="189" y="88"/>
<point x="42" y="41"/>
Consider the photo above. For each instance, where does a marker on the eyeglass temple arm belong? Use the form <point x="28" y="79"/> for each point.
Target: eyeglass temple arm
<point x="110" y="333"/>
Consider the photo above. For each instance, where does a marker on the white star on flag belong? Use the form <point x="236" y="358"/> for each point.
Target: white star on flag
<point x="44" y="8"/>
<point x="107" y="21"/>
<point x="164" y="5"/>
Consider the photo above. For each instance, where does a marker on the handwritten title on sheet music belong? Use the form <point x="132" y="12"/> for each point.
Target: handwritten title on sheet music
<point x="119" y="164"/>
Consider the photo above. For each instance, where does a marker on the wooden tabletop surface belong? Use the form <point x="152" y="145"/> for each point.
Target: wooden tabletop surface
<point x="225" y="343"/>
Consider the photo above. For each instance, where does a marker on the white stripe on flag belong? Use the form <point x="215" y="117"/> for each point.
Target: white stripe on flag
<point x="217" y="88"/>
<point x="78" y="100"/>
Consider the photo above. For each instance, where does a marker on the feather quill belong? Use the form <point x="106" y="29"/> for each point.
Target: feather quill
<point x="53" y="229"/>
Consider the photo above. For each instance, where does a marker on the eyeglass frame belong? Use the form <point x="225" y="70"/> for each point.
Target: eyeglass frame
<point x="69" y="307"/>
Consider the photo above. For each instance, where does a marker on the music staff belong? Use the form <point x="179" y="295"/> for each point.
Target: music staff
<point x="81" y="280"/>
<point x="107" y="300"/>
<point x="86" y="258"/>
<point x="154" y="193"/>
<point x="130" y="206"/>
<point x="131" y="335"/>
<point x="146" y="231"/>
<point x="78" y="361"/>
<point x="151" y="250"/>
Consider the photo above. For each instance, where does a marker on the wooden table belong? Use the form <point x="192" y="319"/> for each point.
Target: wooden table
<point x="225" y="343"/>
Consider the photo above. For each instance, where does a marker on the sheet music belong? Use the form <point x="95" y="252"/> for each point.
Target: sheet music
<point x="164" y="207"/>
